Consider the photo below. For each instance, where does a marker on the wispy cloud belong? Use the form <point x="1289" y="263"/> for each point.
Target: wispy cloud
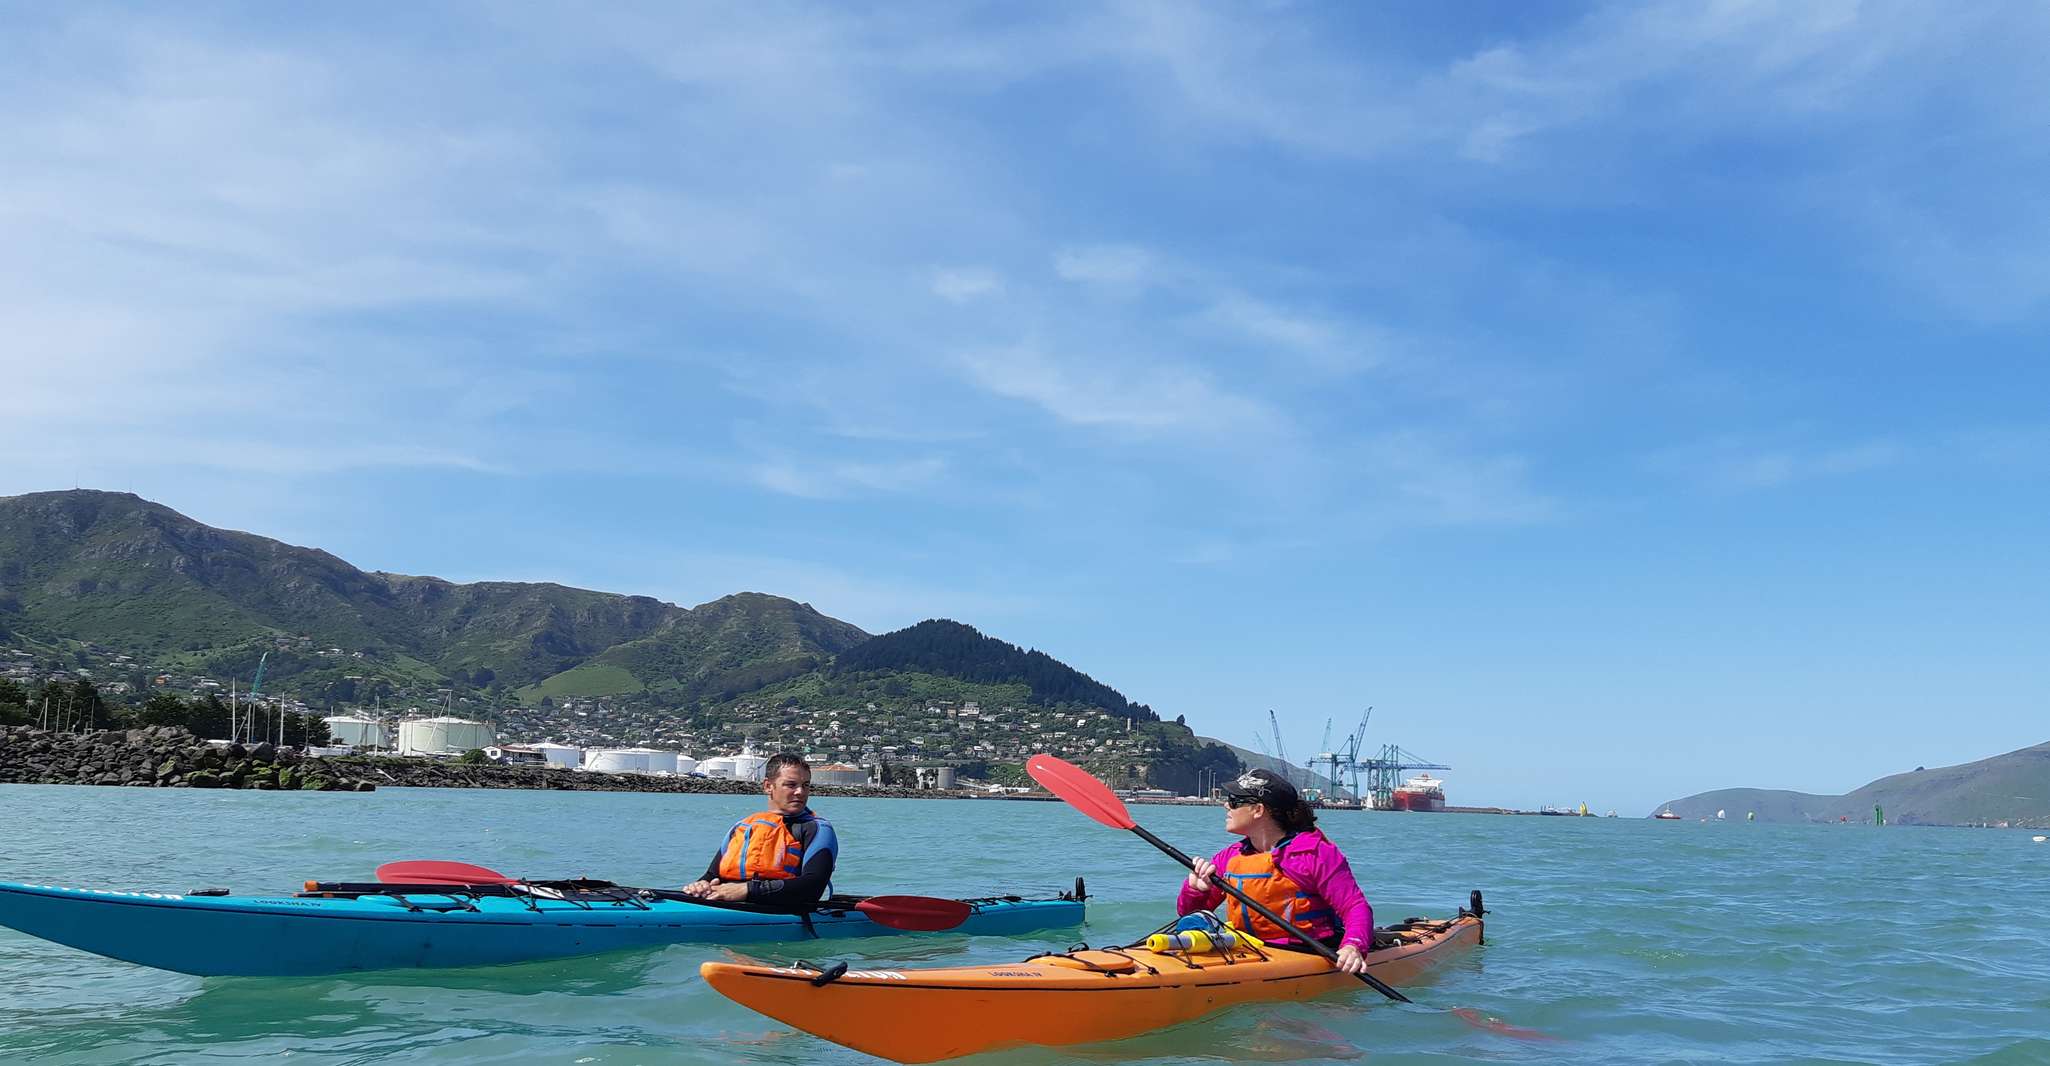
<point x="1145" y="398"/>
<point x="1314" y="340"/>
<point x="1414" y="478"/>
<point x="1106" y="264"/>
<point x="962" y="284"/>
<point x="835" y="480"/>
<point x="1740" y="463"/>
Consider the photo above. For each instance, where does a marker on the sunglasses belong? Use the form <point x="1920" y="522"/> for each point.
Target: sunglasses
<point x="1235" y="802"/>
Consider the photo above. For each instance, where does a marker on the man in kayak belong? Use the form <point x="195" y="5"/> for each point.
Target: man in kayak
<point x="782" y="856"/>
<point x="1288" y="865"/>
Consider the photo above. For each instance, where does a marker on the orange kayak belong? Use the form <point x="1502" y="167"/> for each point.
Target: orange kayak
<point x="1075" y="997"/>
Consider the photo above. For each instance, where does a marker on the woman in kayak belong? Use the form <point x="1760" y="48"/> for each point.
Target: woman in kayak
<point x="782" y="856"/>
<point x="1286" y="864"/>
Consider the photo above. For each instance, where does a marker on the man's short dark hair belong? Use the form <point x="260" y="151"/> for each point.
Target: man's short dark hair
<point x="782" y="759"/>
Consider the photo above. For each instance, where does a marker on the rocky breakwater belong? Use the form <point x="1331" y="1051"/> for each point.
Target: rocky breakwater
<point x="162" y="757"/>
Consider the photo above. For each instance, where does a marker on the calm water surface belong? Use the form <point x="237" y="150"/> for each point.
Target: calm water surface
<point x="1628" y="941"/>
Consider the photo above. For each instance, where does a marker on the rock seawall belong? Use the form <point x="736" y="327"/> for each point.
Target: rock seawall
<point x="163" y="757"/>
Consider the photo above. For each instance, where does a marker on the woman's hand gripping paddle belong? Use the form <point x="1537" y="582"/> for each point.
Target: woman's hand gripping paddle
<point x="1095" y="799"/>
<point x="918" y="914"/>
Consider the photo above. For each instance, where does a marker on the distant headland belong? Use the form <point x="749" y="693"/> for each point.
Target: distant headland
<point x="2009" y="791"/>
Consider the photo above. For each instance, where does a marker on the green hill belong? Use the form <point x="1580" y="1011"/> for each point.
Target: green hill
<point x="94" y="578"/>
<point x="720" y="649"/>
<point x="2013" y="788"/>
<point x="950" y="649"/>
<point x="117" y="570"/>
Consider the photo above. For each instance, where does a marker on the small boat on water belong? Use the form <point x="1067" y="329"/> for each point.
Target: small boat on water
<point x="1081" y="995"/>
<point x="1666" y="815"/>
<point x="1420" y="793"/>
<point x="341" y="928"/>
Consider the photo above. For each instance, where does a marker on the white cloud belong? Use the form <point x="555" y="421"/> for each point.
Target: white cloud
<point x="840" y="479"/>
<point x="1414" y="478"/>
<point x="962" y="284"/>
<point x="1736" y="463"/>
<point x="1146" y="398"/>
<point x="1105" y="264"/>
<point x="1328" y="346"/>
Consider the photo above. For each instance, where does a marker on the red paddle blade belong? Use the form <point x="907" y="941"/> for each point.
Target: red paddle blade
<point x="434" y="872"/>
<point x="922" y="914"/>
<point x="1082" y="791"/>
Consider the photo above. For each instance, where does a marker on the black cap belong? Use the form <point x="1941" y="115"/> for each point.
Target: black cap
<point x="1263" y="786"/>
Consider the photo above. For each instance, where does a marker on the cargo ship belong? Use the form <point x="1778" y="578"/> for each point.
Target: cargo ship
<point x="1420" y="793"/>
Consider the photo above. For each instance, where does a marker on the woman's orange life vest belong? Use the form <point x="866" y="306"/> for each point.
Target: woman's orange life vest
<point x="1259" y="877"/>
<point x="761" y="847"/>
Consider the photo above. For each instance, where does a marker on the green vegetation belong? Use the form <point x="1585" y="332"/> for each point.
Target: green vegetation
<point x="948" y="648"/>
<point x="78" y="706"/>
<point x="116" y="570"/>
<point x="590" y="679"/>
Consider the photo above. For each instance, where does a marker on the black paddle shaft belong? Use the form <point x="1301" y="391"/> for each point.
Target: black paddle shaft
<point x="1260" y="909"/>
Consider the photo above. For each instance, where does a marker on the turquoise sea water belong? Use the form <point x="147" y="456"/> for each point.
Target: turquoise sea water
<point x="1626" y="941"/>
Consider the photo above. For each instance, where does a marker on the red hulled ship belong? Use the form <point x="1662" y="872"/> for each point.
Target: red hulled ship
<point x="1420" y="793"/>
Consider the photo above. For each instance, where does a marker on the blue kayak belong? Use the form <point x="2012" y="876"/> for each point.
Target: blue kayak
<point x="403" y="926"/>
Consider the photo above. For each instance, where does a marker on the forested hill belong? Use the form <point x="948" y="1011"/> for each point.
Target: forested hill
<point x="950" y="649"/>
<point x="84" y="570"/>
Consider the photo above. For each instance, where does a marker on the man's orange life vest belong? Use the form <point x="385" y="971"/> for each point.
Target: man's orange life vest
<point x="1259" y="877"/>
<point x="761" y="847"/>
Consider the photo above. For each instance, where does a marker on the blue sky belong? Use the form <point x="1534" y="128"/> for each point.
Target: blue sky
<point x="1625" y="400"/>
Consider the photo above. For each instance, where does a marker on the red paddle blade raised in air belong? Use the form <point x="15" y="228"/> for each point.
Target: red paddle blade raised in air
<point x="435" y="872"/>
<point x="1082" y="790"/>
<point x="923" y="914"/>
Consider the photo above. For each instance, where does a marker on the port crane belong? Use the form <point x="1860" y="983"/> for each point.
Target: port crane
<point x="1280" y="752"/>
<point x="1385" y="772"/>
<point x="1382" y="771"/>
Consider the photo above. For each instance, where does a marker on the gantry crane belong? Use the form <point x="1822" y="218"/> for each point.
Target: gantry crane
<point x="1280" y="752"/>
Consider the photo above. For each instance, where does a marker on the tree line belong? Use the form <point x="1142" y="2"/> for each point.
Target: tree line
<point x="951" y="649"/>
<point x="79" y="706"/>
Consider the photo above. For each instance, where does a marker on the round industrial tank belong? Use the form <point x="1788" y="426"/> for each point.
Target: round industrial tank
<point x="838" y="773"/>
<point x="658" y="761"/>
<point x="561" y="755"/>
<point x="747" y="766"/>
<point x="630" y="761"/>
<point x="685" y="764"/>
<point x="357" y="732"/>
<point x="616" y="761"/>
<point x="443" y="736"/>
